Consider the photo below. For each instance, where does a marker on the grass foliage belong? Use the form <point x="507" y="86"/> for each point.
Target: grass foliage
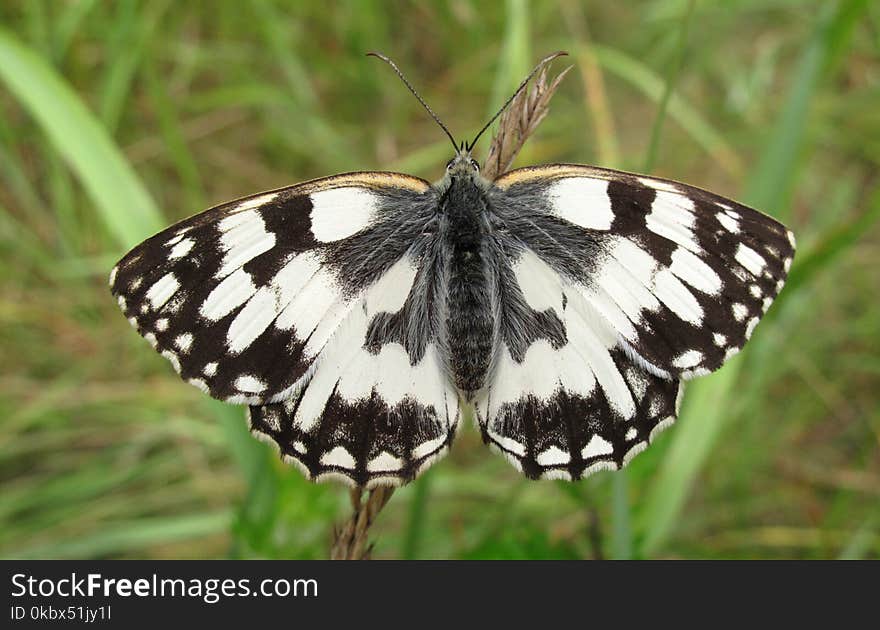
<point x="119" y="118"/>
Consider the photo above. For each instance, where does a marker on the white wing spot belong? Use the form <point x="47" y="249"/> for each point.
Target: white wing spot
<point x="766" y="303"/>
<point x="210" y="369"/>
<point x="384" y="461"/>
<point x="389" y="293"/>
<point x="553" y="456"/>
<point x="181" y="249"/>
<point x="688" y="359"/>
<point x="750" y="259"/>
<point x="299" y="447"/>
<point x="677" y="297"/>
<point x="234" y="291"/>
<point x="583" y="201"/>
<point x="426" y="448"/>
<point x="256" y="202"/>
<point x="161" y="324"/>
<point x="597" y="446"/>
<point x="249" y="384"/>
<point x="695" y="272"/>
<point x="728" y="223"/>
<point x="755" y="290"/>
<point x="183" y="342"/>
<point x="162" y="291"/>
<point x="252" y="320"/>
<point x="719" y="339"/>
<point x="672" y="218"/>
<point x="631" y="434"/>
<point x="656" y="184"/>
<point x="244" y="237"/>
<point x="786" y="265"/>
<point x="340" y="457"/>
<point x="121" y="301"/>
<point x="508" y="444"/>
<point x="740" y="311"/>
<point x="337" y="213"/>
<point x="750" y="327"/>
<point x="538" y="282"/>
<point x="113" y="273"/>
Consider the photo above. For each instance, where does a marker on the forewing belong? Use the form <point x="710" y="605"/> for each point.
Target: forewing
<point x="682" y="275"/>
<point x="243" y="298"/>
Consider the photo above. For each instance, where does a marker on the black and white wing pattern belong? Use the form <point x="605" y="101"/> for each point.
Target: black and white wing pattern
<point x="614" y="288"/>
<point x="300" y="302"/>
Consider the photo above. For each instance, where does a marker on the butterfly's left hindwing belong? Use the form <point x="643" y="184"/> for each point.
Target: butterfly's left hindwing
<point x="291" y="301"/>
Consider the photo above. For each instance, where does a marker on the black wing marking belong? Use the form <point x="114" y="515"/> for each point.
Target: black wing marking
<point x="682" y="275"/>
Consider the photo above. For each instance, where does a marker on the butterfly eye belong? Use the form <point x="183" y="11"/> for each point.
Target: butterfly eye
<point x="449" y="164"/>
<point x="475" y="165"/>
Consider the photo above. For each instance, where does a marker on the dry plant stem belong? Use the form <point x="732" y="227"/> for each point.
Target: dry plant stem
<point x="519" y="122"/>
<point x="351" y="540"/>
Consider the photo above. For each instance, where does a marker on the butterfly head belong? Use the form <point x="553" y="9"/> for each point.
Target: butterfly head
<point x="463" y="164"/>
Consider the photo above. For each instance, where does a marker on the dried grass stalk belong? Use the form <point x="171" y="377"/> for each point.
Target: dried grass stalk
<point x="519" y="122"/>
<point x="350" y="541"/>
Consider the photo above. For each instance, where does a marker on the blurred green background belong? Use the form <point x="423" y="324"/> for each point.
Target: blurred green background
<point x="118" y="118"/>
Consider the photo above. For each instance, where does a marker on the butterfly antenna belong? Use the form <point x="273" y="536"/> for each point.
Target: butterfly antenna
<point x="521" y="87"/>
<point x="416" y="94"/>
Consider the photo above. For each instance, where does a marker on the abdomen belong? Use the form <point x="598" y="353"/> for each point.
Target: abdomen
<point x="470" y="323"/>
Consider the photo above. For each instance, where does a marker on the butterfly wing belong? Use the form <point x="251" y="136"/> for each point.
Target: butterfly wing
<point x="644" y="281"/>
<point x="378" y="408"/>
<point x="304" y="302"/>
<point x="681" y="274"/>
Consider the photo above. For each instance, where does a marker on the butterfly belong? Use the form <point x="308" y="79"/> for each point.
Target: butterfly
<point x="361" y="317"/>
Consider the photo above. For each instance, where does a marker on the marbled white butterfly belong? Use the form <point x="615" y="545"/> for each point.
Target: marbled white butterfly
<point x="360" y="316"/>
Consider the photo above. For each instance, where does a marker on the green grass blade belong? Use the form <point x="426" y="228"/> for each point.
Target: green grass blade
<point x="705" y="409"/>
<point x="621" y="517"/>
<point x="654" y="145"/>
<point x="515" y="59"/>
<point x="121" y="199"/>
<point x="415" y="526"/>
<point x="646" y="81"/>
<point x="773" y="178"/>
<point x="125" y="538"/>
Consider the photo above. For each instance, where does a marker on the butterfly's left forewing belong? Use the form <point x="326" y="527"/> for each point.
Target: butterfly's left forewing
<point x="305" y="303"/>
<point x="682" y="275"/>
